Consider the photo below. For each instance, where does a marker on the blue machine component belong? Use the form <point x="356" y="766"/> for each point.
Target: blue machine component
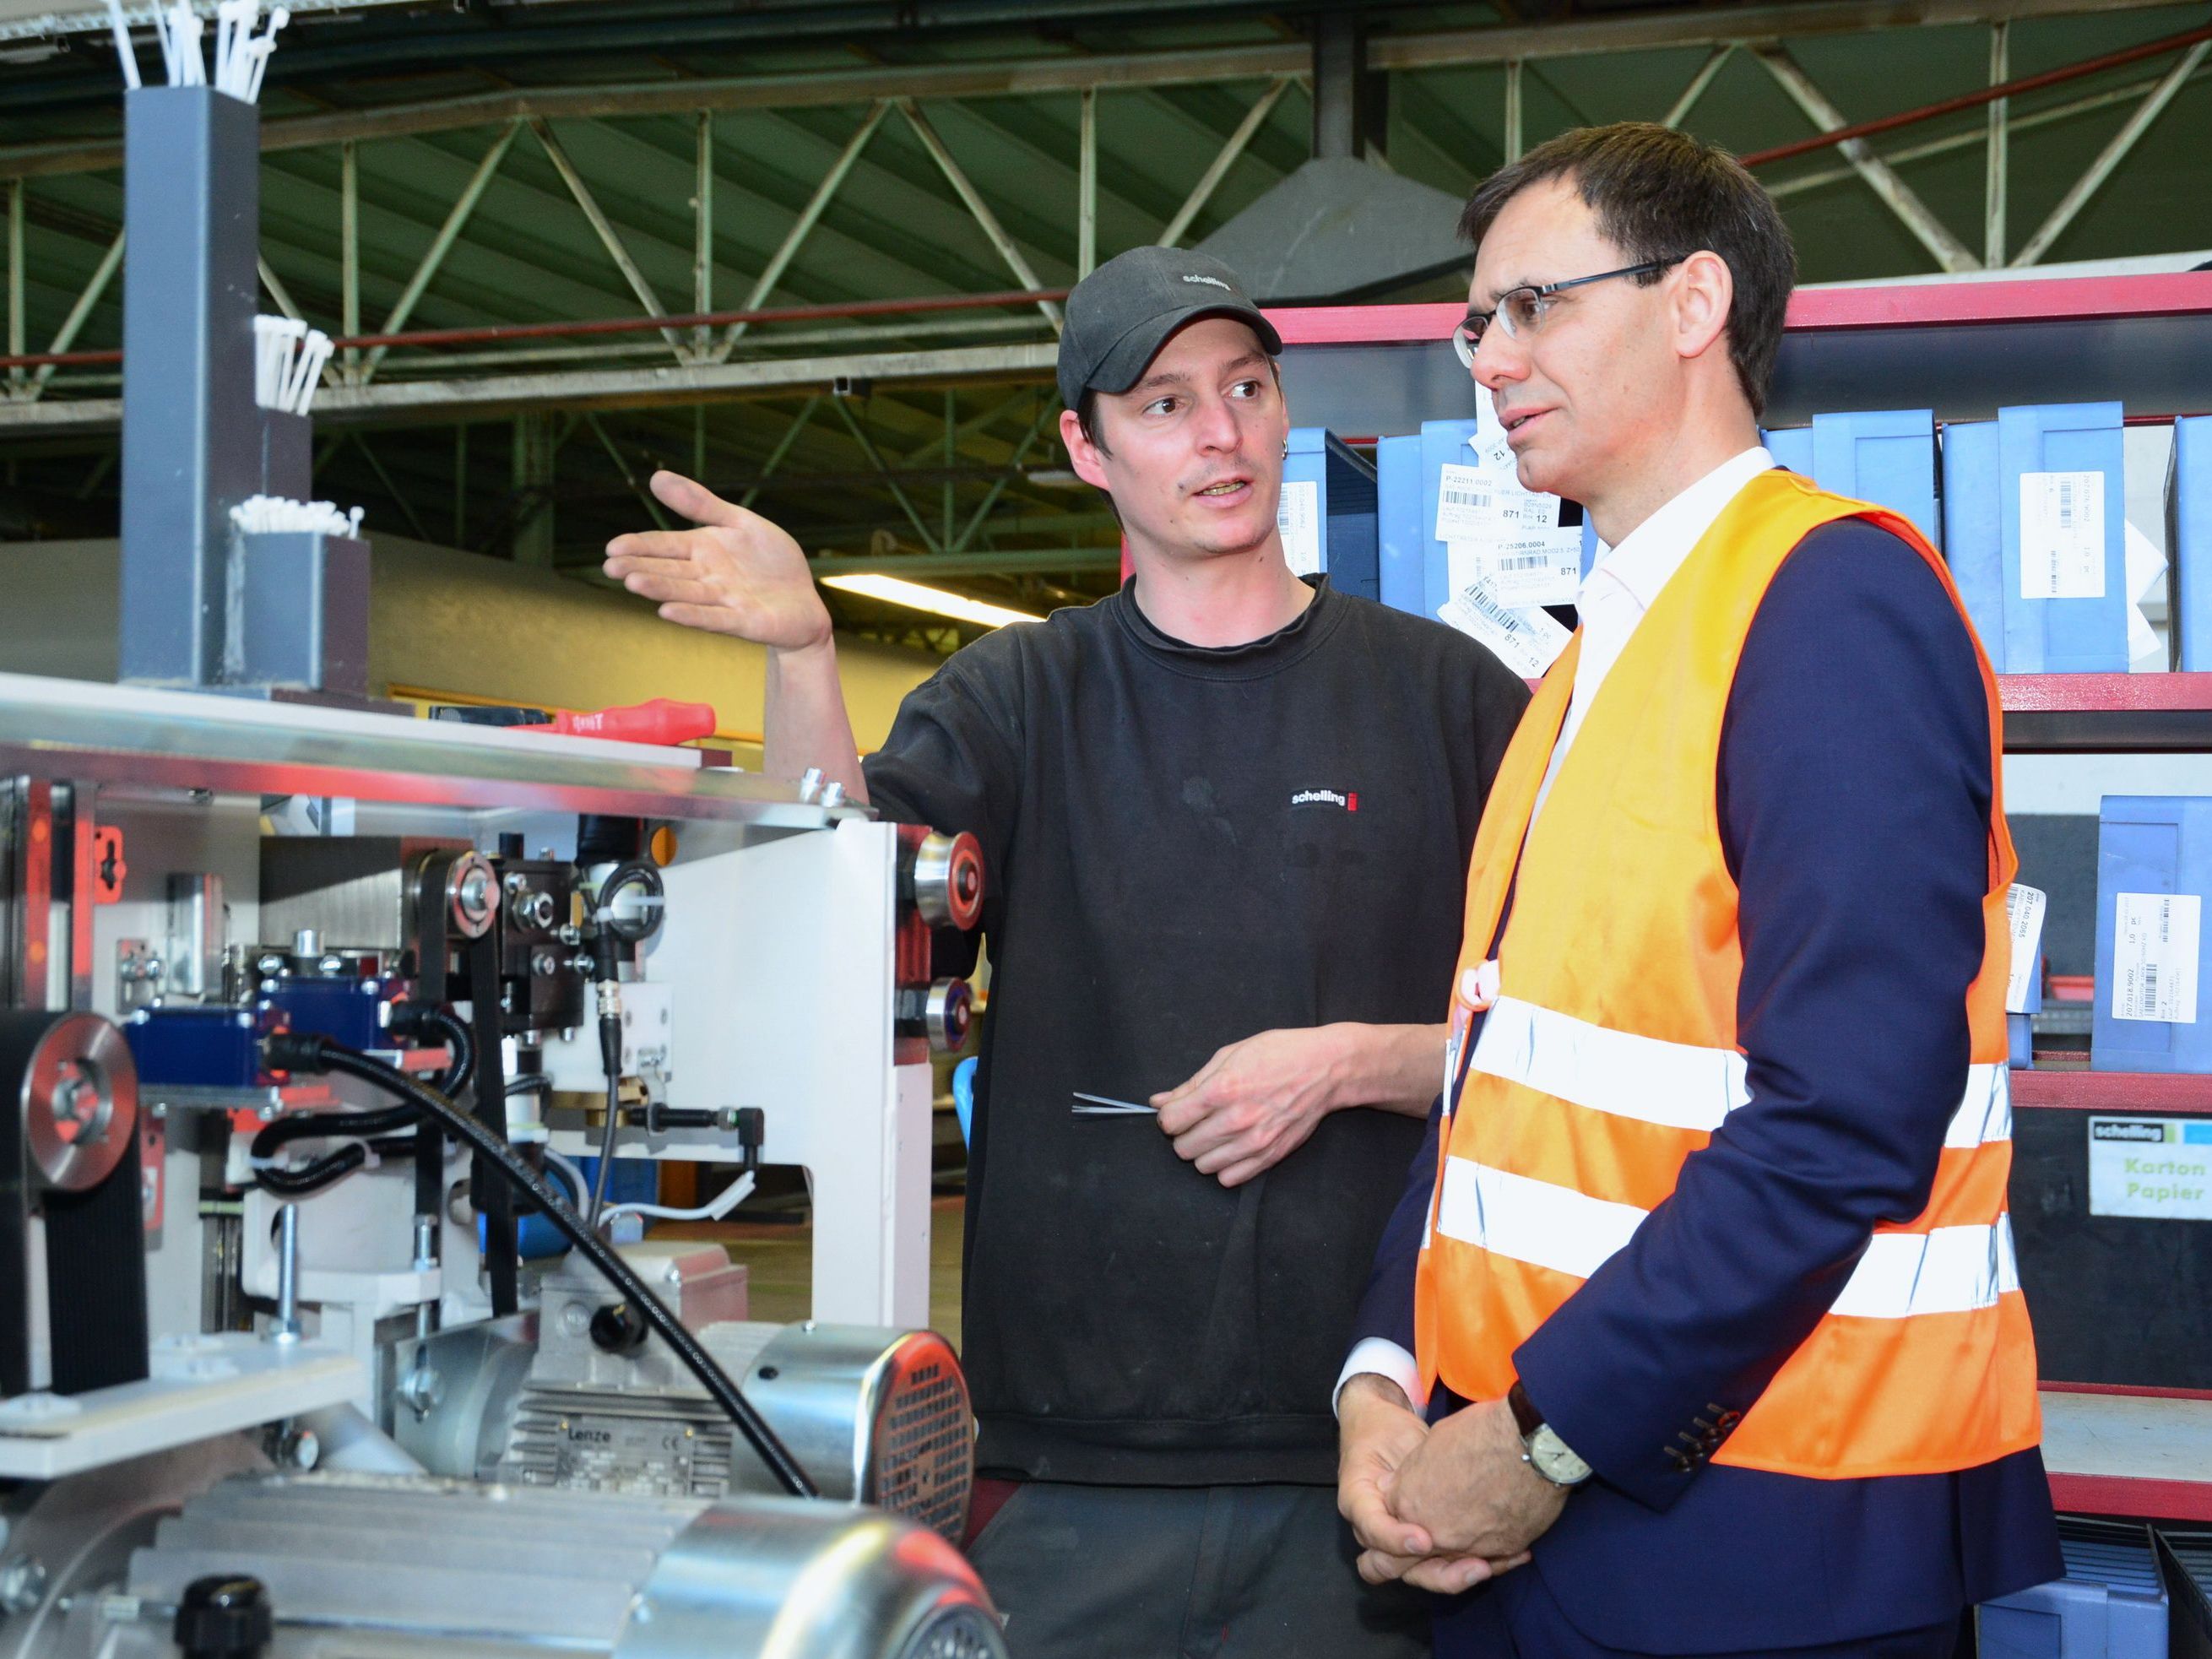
<point x="2189" y="539"/>
<point x="1884" y="456"/>
<point x="1443" y="443"/>
<point x="1973" y="535"/>
<point x="632" y="1180"/>
<point x="2111" y="1604"/>
<point x="1791" y="446"/>
<point x="350" y="1011"/>
<point x="1401" y="539"/>
<point x="190" y="1046"/>
<point x="2148" y="845"/>
<point x="1345" y="486"/>
<point x="2064" y="636"/>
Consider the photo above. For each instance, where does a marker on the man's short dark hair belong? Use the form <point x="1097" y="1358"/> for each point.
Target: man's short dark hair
<point x="1660" y="194"/>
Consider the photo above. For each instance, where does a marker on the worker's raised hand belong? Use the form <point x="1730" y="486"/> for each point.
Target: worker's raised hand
<point x="1255" y="1103"/>
<point x="736" y="574"/>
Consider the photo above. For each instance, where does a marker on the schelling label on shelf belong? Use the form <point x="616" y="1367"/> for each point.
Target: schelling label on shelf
<point x="2159" y="1168"/>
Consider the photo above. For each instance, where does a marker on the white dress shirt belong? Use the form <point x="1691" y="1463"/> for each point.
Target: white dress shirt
<point x="1620" y="587"/>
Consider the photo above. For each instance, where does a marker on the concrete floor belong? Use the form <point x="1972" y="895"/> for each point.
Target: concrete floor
<point x="779" y="1261"/>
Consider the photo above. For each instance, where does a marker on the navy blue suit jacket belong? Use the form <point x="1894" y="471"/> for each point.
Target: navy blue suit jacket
<point x="1854" y="797"/>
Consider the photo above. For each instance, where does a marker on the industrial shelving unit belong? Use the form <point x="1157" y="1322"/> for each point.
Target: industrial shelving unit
<point x="1963" y="349"/>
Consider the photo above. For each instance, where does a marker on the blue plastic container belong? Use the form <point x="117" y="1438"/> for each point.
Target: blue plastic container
<point x="2152" y="845"/>
<point x="1884" y="456"/>
<point x="1344" y="486"/>
<point x="1401" y="539"/>
<point x="2020" y="1028"/>
<point x="2189" y="539"/>
<point x="2111" y="1604"/>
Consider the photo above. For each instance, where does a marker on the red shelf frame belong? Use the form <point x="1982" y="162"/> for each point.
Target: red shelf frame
<point x="2137" y="1499"/>
<point x="1904" y="305"/>
<point x="2146" y="1092"/>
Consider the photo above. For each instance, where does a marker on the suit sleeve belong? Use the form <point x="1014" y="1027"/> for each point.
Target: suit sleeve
<point x="1854" y="797"/>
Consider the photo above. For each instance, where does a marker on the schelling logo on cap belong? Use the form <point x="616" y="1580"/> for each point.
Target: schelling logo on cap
<point x="1350" y="802"/>
<point x="1211" y="281"/>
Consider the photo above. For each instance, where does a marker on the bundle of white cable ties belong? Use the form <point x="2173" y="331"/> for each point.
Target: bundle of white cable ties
<point x="274" y="514"/>
<point x="241" y="56"/>
<point x="287" y="363"/>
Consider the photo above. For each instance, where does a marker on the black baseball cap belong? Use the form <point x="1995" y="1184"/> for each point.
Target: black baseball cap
<point x="1120" y="315"/>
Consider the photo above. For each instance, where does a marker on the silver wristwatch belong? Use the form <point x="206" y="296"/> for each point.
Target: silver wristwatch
<point x="1541" y="1449"/>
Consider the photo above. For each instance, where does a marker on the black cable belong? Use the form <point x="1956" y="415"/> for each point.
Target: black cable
<point x="326" y="1171"/>
<point x="423" y="1019"/>
<point x="606" y="1149"/>
<point x="298" y="1052"/>
<point x="527" y="1083"/>
<point x="331" y="1126"/>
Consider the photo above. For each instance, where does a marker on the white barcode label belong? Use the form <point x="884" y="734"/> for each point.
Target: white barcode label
<point x="2062" y="535"/>
<point x="1298" y="520"/>
<point x="1519" y="569"/>
<point x="1466" y="502"/>
<point x="1525" y="640"/>
<point x="2155" y="957"/>
<point x="2024" y="909"/>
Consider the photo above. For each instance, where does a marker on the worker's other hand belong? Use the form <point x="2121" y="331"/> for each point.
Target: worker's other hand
<point x="1469" y="1487"/>
<point x="1377" y="1430"/>
<point x="1255" y="1103"/>
<point x="736" y="574"/>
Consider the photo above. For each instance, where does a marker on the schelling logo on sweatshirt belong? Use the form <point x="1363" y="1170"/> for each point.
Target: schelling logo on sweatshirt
<point x="1326" y="798"/>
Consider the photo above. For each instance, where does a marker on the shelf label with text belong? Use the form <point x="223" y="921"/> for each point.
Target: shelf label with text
<point x="2062" y="535"/>
<point x="2155" y="1168"/>
<point x="2154" y="937"/>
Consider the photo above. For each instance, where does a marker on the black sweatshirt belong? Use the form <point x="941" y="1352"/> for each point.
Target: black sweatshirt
<point x="1187" y="846"/>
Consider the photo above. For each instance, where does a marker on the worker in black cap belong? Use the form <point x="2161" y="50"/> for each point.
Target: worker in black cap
<point x="1227" y="813"/>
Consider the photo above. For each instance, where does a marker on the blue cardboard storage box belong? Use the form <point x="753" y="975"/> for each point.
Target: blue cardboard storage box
<point x="2154" y="870"/>
<point x="1791" y="446"/>
<point x="1884" y="456"/>
<point x="2020" y="1028"/>
<point x="1343" y="506"/>
<point x="2189" y="539"/>
<point x="1974" y="535"/>
<point x="2033" y="517"/>
<point x="1401" y="539"/>
<point x="1443" y="443"/>
<point x="2111" y="1603"/>
<point x="2078" y="631"/>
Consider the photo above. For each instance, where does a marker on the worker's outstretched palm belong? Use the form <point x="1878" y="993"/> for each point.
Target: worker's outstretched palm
<point x="736" y="574"/>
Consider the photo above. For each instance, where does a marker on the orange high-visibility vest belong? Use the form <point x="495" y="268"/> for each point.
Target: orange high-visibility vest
<point x="1608" y="1056"/>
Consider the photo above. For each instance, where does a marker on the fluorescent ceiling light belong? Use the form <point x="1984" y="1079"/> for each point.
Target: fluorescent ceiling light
<point x="895" y="590"/>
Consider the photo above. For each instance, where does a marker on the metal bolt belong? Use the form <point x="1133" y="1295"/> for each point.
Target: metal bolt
<point x="833" y="796"/>
<point x="268" y="964"/>
<point x="810" y="783"/>
<point x="332" y="966"/>
<point x="291" y="1447"/>
<point x="306" y="943"/>
<point x="23" y="1585"/>
<point x="285" y="1327"/>
<point x="422" y="1391"/>
<point x="544" y="964"/>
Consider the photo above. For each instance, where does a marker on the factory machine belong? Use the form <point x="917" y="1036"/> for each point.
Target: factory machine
<point x="331" y="1037"/>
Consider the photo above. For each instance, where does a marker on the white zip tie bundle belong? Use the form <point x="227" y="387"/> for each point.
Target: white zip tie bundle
<point x="287" y="363"/>
<point x="274" y="514"/>
<point x="241" y="56"/>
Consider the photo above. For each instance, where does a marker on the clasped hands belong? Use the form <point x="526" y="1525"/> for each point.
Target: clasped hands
<point x="1444" y="1507"/>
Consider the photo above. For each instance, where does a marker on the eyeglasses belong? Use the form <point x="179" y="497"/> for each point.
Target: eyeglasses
<point x="1521" y="310"/>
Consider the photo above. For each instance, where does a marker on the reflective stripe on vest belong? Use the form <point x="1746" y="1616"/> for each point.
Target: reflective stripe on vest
<point x="1608" y="1054"/>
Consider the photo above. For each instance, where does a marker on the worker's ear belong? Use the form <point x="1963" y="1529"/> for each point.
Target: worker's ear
<point x="1705" y="290"/>
<point x="1085" y="457"/>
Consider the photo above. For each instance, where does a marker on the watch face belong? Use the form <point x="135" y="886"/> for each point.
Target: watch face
<point x="1553" y="1460"/>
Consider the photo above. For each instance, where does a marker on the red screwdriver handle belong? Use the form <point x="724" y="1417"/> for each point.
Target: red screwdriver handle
<point x="659" y="721"/>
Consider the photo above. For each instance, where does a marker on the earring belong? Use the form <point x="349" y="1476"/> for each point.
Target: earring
<point x="1286" y="446"/>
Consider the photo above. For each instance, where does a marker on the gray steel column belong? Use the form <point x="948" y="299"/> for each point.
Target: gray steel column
<point x="191" y="443"/>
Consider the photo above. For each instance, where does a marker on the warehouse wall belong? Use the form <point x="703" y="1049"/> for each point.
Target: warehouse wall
<point x="460" y="623"/>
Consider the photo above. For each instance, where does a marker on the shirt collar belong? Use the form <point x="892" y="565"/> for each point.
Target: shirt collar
<point x="1652" y="552"/>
